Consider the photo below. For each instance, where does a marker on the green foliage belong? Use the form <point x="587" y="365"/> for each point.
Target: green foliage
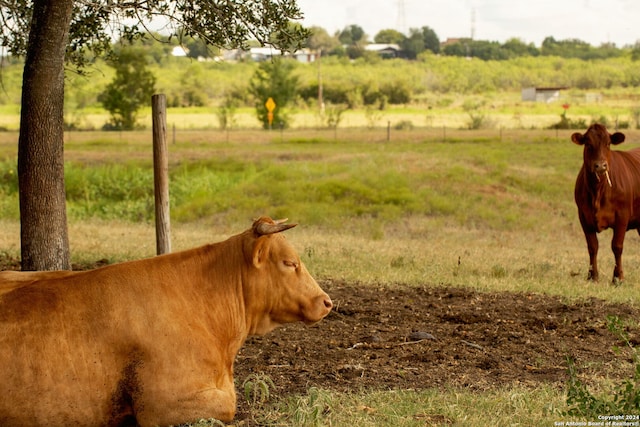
<point x="394" y="81"/>
<point x="194" y="89"/>
<point x="320" y="39"/>
<point x="205" y="423"/>
<point x="93" y="24"/>
<point x="226" y="112"/>
<point x="404" y="125"/>
<point x="9" y="205"/>
<point x="568" y="123"/>
<point x="257" y="389"/>
<point x="310" y="410"/>
<point x="352" y="35"/>
<point x="108" y="191"/>
<point x="332" y="114"/>
<point x="274" y="79"/>
<point x="389" y="36"/>
<point x="624" y="399"/>
<point x="418" y="41"/>
<point x="131" y="88"/>
<point x="477" y="118"/>
<point x="485" y="184"/>
<point x="574" y="48"/>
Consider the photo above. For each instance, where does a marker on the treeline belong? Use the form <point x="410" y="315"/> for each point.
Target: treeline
<point x="371" y="81"/>
<point x="365" y="81"/>
<point x="352" y="41"/>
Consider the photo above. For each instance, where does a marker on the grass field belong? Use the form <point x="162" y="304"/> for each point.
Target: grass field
<point x="492" y="210"/>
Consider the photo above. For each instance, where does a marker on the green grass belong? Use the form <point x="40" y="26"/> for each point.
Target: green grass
<point x="505" y="407"/>
<point x="484" y="209"/>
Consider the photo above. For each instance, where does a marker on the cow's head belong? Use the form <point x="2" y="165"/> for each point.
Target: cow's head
<point x="597" y="143"/>
<point x="279" y="289"/>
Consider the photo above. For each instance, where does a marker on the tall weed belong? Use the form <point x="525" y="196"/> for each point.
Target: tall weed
<point x="624" y="399"/>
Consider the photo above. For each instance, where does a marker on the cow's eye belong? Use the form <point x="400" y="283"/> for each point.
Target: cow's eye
<point x="289" y="263"/>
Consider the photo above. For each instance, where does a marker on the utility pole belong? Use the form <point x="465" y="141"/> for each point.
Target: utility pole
<point x="473" y="23"/>
<point x="320" y="98"/>
<point x="401" y="22"/>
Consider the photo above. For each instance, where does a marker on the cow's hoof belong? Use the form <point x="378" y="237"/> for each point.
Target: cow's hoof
<point x="617" y="281"/>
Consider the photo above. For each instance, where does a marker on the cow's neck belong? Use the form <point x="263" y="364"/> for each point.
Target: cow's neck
<point x="600" y="191"/>
<point x="222" y="273"/>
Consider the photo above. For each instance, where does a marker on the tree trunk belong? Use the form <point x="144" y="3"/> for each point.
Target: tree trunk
<point x="43" y="215"/>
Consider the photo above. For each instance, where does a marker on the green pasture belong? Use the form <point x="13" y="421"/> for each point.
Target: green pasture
<point x="492" y="210"/>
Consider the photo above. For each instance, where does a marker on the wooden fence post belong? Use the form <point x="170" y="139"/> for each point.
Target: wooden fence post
<point x="161" y="173"/>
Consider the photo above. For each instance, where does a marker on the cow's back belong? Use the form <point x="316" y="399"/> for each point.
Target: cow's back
<point x="625" y="169"/>
<point x="53" y="336"/>
<point x="10" y="280"/>
<point x="629" y="177"/>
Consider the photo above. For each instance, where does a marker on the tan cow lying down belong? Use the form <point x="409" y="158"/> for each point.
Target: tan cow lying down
<point x="150" y="342"/>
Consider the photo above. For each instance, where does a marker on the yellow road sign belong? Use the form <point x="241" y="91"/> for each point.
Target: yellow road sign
<point x="270" y="104"/>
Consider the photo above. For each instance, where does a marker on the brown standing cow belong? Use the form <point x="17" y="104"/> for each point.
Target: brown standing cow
<point x="607" y="193"/>
<point x="149" y="342"/>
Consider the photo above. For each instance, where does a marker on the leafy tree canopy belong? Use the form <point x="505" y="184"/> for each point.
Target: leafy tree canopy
<point x="274" y="79"/>
<point x="352" y="34"/>
<point x="131" y="88"/>
<point x="431" y="40"/>
<point x="224" y="23"/>
<point x="517" y="47"/>
<point x="389" y="36"/>
<point x="575" y="48"/>
<point x="319" y="39"/>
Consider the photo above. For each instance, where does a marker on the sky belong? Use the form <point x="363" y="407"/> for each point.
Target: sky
<point x="592" y="21"/>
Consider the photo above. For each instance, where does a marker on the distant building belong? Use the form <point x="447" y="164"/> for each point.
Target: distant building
<point x="179" y="51"/>
<point x="452" y="40"/>
<point x="541" y="94"/>
<point x="385" y="50"/>
<point x="259" y="54"/>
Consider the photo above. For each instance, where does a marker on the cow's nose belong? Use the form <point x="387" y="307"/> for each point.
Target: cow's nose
<point x="328" y="303"/>
<point x="600" y="166"/>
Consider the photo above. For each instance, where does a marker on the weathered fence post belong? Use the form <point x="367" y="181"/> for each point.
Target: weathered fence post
<point x="161" y="173"/>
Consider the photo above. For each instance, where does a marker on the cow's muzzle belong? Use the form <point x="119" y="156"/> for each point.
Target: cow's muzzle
<point x="604" y="173"/>
<point x="601" y="170"/>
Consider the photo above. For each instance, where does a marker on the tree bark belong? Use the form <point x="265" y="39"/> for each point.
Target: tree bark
<point x="43" y="215"/>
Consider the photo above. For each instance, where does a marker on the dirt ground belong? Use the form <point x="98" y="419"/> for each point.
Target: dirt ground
<point x="412" y="338"/>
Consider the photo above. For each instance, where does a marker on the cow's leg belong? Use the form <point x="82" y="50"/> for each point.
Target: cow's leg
<point x="616" y="246"/>
<point x="189" y="407"/>
<point x="592" y="246"/>
<point x="185" y="398"/>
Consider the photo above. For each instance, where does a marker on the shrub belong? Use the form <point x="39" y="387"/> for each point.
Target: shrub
<point x="625" y="398"/>
<point x="567" y="123"/>
<point x="404" y="125"/>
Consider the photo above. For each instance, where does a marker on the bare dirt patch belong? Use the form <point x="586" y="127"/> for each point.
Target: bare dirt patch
<point x="423" y="337"/>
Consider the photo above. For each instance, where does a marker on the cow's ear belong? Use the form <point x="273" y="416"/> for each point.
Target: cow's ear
<point x="577" y="138"/>
<point x="260" y="252"/>
<point x="617" y="138"/>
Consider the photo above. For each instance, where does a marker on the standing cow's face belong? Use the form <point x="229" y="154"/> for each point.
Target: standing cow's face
<point x="282" y="287"/>
<point x="597" y="142"/>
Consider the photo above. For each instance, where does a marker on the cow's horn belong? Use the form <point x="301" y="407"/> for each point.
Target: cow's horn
<point x="262" y="227"/>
